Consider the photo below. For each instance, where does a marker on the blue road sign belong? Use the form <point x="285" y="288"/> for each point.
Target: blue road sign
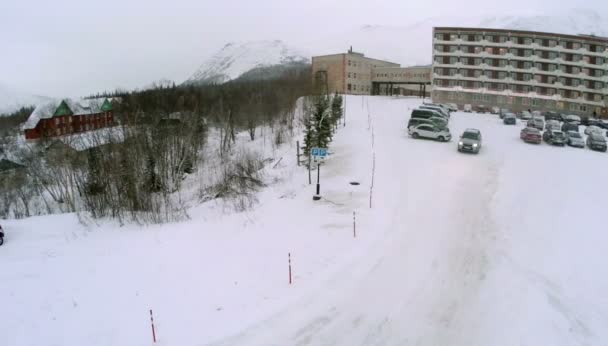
<point x="319" y="152"/>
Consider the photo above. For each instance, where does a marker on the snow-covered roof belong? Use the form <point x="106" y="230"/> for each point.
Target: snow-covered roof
<point x="78" y="107"/>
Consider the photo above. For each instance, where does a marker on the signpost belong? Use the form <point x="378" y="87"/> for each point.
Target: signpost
<point x="318" y="155"/>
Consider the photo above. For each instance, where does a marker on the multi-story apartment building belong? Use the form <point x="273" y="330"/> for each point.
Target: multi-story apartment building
<point x="354" y="73"/>
<point x="520" y="70"/>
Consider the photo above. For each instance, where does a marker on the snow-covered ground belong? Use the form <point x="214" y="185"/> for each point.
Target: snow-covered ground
<point x="501" y="248"/>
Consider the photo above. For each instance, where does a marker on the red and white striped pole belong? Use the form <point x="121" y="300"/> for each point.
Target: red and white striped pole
<point x="152" y="323"/>
<point x="289" y="262"/>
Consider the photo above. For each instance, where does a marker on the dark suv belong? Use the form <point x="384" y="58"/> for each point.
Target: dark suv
<point x="596" y="141"/>
<point x="569" y="127"/>
<point x="425" y="113"/>
<point x="552" y="116"/>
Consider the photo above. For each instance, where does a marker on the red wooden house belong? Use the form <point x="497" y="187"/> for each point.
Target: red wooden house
<point x="67" y="116"/>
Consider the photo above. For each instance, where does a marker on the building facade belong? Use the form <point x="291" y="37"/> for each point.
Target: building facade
<point x="354" y="73"/>
<point x="520" y="70"/>
<point x="67" y="116"/>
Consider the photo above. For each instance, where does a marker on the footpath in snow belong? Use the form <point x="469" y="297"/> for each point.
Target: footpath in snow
<point x="501" y="248"/>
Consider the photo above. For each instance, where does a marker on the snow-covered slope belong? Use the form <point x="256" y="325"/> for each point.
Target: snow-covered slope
<point x="12" y="99"/>
<point x="233" y="60"/>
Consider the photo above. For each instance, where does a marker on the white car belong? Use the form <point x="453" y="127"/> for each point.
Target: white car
<point x="592" y="129"/>
<point x="573" y="119"/>
<point x="575" y="139"/>
<point x="468" y="108"/>
<point x="525" y="115"/>
<point x="453" y="107"/>
<point x="495" y="110"/>
<point x="430" y="131"/>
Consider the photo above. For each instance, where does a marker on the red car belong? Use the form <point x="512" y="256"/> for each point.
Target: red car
<point x="530" y="135"/>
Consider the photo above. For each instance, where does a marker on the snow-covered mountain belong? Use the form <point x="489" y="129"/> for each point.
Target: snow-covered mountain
<point x="12" y="99"/>
<point x="233" y="60"/>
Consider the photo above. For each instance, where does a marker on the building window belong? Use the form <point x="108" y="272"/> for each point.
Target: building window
<point x="348" y="87"/>
<point x="349" y="64"/>
<point x="56" y="121"/>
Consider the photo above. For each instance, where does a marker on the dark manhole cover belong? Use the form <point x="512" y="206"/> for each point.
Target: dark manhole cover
<point x="354" y="183"/>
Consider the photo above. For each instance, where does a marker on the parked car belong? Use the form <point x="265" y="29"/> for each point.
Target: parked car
<point x="530" y="135"/>
<point x="535" y="122"/>
<point x="566" y="127"/>
<point x="453" y="107"/>
<point x="554" y="137"/>
<point x="425" y="113"/>
<point x="481" y="109"/>
<point x="436" y="109"/>
<point x="470" y="141"/>
<point x="525" y="115"/>
<point x="596" y="141"/>
<point x="603" y="124"/>
<point x="509" y="119"/>
<point x="573" y="119"/>
<point x="552" y="116"/>
<point x="591" y="129"/>
<point x="537" y="114"/>
<point x="552" y="125"/>
<point x="495" y="110"/>
<point x="438" y="106"/>
<point x="575" y="139"/>
<point x="468" y="108"/>
<point x="430" y="131"/>
<point x="417" y="121"/>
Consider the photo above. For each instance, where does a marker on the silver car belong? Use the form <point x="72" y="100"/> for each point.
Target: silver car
<point x="575" y="139"/>
<point x="430" y="131"/>
<point x="470" y="141"/>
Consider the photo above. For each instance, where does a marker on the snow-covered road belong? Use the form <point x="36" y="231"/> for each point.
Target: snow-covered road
<point x="443" y="271"/>
<point x="502" y="248"/>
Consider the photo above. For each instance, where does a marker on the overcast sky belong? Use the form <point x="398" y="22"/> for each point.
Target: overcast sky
<point x="76" y="47"/>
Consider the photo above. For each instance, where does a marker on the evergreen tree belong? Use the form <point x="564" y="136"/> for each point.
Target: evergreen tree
<point x="94" y="185"/>
<point x="336" y="108"/>
<point x="322" y="122"/>
<point x="151" y="182"/>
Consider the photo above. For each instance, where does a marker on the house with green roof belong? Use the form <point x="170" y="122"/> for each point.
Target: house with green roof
<point x="68" y="116"/>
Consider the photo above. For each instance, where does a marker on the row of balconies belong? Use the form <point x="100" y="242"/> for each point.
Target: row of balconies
<point x="510" y="44"/>
<point x="530" y="94"/>
<point x="533" y="70"/>
<point x="510" y="56"/>
<point x="532" y="82"/>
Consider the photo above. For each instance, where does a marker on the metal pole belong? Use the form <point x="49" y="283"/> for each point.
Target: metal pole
<point x="309" y="162"/>
<point x="298" y="152"/>
<point x="318" y="179"/>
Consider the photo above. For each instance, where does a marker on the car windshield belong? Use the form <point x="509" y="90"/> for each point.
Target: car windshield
<point x="573" y="134"/>
<point x="558" y="134"/>
<point x="470" y="135"/>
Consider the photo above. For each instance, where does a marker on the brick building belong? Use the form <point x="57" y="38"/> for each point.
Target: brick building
<point x="67" y="116"/>
<point x="354" y="73"/>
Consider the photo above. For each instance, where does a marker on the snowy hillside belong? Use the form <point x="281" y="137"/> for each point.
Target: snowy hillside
<point x="11" y="99"/>
<point x="233" y="60"/>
